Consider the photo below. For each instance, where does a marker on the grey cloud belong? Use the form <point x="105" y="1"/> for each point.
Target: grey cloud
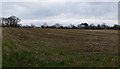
<point x="79" y="10"/>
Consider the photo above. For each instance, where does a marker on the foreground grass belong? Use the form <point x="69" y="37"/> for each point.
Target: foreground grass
<point x="29" y="47"/>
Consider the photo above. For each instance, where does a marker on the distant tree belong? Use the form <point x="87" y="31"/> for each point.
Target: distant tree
<point x="79" y="26"/>
<point x="86" y="25"/>
<point x="104" y="26"/>
<point x="92" y="26"/>
<point x="33" y="26"/>
<point x="61" y="26"/>
<point x="98" y="26"/>
<point x="11" y="21"/>
<point x="73" y="26"/>
<point x="116" y="26"/>
<point x="4" y="21"/>
<point x="44" y="25"/>
<point x="83" y="26"/>
<point x="57" y="25"/>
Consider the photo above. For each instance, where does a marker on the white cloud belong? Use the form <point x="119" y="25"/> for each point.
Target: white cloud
<point x="60" y="0"/>
<point x="64" y="12"/>
<point x="68" y="21"/>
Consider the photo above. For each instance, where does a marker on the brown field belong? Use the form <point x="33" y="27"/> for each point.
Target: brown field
<point x="38" y="47"/>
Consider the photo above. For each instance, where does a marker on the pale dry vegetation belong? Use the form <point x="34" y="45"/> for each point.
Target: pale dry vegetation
<point x="36" y="47"/>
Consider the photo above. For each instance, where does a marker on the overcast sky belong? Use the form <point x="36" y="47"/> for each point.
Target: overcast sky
<point x="64" y="13"/>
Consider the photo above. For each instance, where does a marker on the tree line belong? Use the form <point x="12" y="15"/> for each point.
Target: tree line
<point x="82" y="26"/>
<point x="13" y="21"/>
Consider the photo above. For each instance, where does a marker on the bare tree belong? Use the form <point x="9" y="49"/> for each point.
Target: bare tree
<point x="104" y="26"/>
<point x="11" y="21"/>
<point x="44" y="25"/>
<point x="72" y="26"/>
<point x="57" y="25"/>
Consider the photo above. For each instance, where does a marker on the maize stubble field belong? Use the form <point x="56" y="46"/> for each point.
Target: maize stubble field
<point x="47" y="47"/>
